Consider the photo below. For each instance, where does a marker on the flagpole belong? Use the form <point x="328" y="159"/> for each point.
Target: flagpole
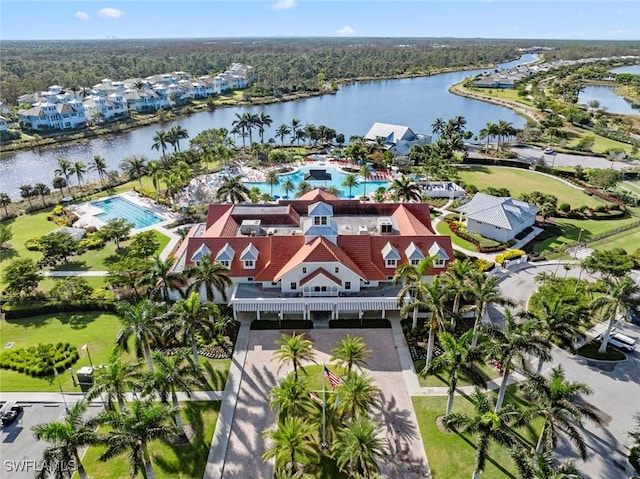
<point x="323" y="444"/>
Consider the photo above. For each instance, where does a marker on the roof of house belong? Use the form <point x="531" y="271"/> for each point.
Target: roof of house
<point x="390" y="133"/>
<point x="502" y="212"/>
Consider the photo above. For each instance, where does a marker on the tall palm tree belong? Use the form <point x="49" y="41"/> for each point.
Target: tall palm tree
<point x="303" y="188"/>
<point x="294" y="349"/>
<point x="357" y="447"/>
<point x="175" y="134"/>
<point x="350" y="351"/>
<point x="295" y="126"/>
<point x="458" y="359"/>
<point x="132" y="430"/>
<point x="26" y="192"/>
<point x="211" y="276"/>
<point x="333" y="190"/>
<point x="134" y="167"/>
<point x="405" y="189"/>
<point x="140" y="322"/>
<point x="350" y="181"/>
<point x="114" y="379"/>
<point x="240" y="124"/>
<point x="621" y="298"/>
<point x="99" y="165"/>
<point x="356" y="395"/>
<point x="5" y="200"/>
<point x="288" y="186"/>
<point x="272" y="178"/>
<point x="192" y="318"/>
<point x="291" y="398"/>
<point x="174" y="373"/>
<point x="160" y="141"/>
<point x="437" y="127"/>
<point x="282" y="131"/>
<point x="488" y="424"/>
<point x="543" y="466"/>
<point x="233" y="190"/>
<point x="42" y="190"/>
<point x="509" y="345"/>
<point x="293" y="442"/>
<point x="161" y="277"/>
<point x="156" y="172"/>
<point x="79" y="169"/>
<point x="65" y="169"/>
<point x="66" y="437"/>
<point x="559" y="403"/>
<point x="456" y="279"/>
<point x="59" y="183"/>
<point x="484" y="290"/>
<point x="411" y="277"/>
<point x="365" y="173"/>
<point x="263" y="120"/>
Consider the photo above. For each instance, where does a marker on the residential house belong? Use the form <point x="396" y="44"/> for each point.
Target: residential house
<point x="4" y="127"/>
<point x="100" y="109"/>
<point x="397" y="139"/>
<point x="498" y="218"/>
<point x="53" y="116"/>
<point x="315" y="257"/>
<point x="5" y="108"/>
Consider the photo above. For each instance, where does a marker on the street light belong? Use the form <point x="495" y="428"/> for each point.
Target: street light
<point x="66" y="407"/>
<point x="86" y="348"/>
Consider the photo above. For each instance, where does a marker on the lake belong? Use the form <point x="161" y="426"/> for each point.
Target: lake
<point x="414" y="102"/>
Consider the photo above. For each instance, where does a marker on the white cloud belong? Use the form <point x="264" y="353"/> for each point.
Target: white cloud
<point x="346" y="30"/>
<point x="81" y="16"/>
<point x="110" y="13"/>
<point x="284" y="5"/>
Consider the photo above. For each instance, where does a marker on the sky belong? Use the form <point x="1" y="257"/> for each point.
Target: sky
<point x="517" y="19"/>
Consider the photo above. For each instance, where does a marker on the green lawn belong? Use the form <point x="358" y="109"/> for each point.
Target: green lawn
<point x="452" y="455"/>
<point x="519" y="181"/>
<point x="443" y="228"/>
<point x="627" y="240"/>
<point x="94" y="281"/>
<point x="96" y="330"/>
<point x="442" y="380"/>
<point x="507" y="94"/>
<point x="169" y="461"/>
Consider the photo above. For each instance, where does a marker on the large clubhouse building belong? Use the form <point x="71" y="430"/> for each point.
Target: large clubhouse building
<point x="316" y="257"/>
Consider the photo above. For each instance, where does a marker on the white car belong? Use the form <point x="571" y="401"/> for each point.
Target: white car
<point x="549" y="151"/>
<point x="622" y="341"/>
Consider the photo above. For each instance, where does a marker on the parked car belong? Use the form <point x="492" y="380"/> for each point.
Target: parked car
<point x="548" y="151"/>
<point x="11" y="415"/>
<point x="622" y="341"/>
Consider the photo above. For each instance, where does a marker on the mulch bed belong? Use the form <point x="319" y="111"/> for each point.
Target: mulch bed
<point x="211" y="352"/>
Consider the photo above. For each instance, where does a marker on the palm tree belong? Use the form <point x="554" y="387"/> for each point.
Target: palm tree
<point x="59" y="182"/>
<point x="272" y="178"/>
<point x="161" y="277"/>
<point x="99" y="165"/>
<point x="490" y="426"/>
<point x="484" y="290"/>
<point x="350" y="181"/>
<point x="405" y="189"/>
<point x="437" y="127"/>
<point x="303" y="188"/>
<point x="42" y="190"/>
<point x="132" y="430"/>
<point x="156" y="172"/>
<point x="356" y="395"/>
<point x="559" y="403"/>
<point x="291" y="398"/>
<point x="79" y="169"/>
<point x="26" y="192"/>
<point x="542" y="466"/>
<point x="140" y="322"/>
<point x="282" y="131"/>
<point x="295" y="125"/>
<point x="294" y="349"/>
<point x="365" y="173"/>
<point x="357" y="447"/>
<point x="620" y="300"/>
<point x="175" y="134"/>
<point x="192" y="318"/>
<point x="114" y="379"/>
<point x="135" y="167"/>
<point x="334" y="190"/>
<point x="174" y="373"/>
<point x="288" y="186"/>
<point x="240" y="124"/>
<point x="457" y="359"/>
<point x="292" y="443"/>
<point x="455" y="280"/>
<point x="160" y="140"/>
<point x="350" y="351"/>
<point x="431" y="297"/>
<point x="66" y="437"/>
<point x="233" y="190"/>
<point x="263" y="120"/>
<point x="411" y="276"/>
<point x="65" y="169"/>
<point x="510" y="344"/>
<point x="5" y="200"/>
<point x="211" y="275"/>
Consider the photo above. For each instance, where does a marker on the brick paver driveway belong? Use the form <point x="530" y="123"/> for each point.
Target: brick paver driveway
<point x="405" y="453"/>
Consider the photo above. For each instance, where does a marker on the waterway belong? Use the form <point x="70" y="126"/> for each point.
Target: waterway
<point x="414" y="102"/>
<point x="609" y="100"/>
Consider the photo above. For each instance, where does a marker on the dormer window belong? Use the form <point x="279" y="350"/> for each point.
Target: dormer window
<point x="320" y="220"/>
<point x="390" y="255"/>
<point x="414" y="255"/>
<point x="249" y="264"/>
<point x="249" y="257"/>
<point x="225" y="256"/>
<point x="439" y="255"/>
<point x="224" y="263"/>
<point x="392" y="263"/>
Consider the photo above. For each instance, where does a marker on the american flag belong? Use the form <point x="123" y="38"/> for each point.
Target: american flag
<point x="333" y="379"/>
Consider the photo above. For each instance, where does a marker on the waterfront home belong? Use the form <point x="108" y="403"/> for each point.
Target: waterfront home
<point x="498" y="218"/>
<point x="316" y="257"/>
<point x="4" y="108"/>
<point x="104" y="109"/>
<point x="396" y="138"/>
<point x="53" y="116"/>
<point x="4" y="127"/>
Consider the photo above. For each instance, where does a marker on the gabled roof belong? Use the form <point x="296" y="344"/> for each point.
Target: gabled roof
<point x="390" y="133"/>
<point x="320" y="209"/>
<point x="413" y="252"/>
<point x="226" y="253"/>
<point x="390" y="252"/>
<point x="317" y="195"/>
<point x="320" y="272"/>
<point x="250" y="253"/>
<point x="506" y="213"/>
<point x="437" y="250"/>
<point x="202" y="250"/>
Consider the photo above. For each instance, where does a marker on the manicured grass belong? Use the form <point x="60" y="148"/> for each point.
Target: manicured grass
<point x="169" y="461"/>
<point x="94" y="281"/>
<point x="452" y="455"/>
<point x="507" y="94"/>
<point x="443" y="228"/>
<point x="627" y="240"/>
<point x="590" y="350"/>
<point x="519" y="181"/>
<point x="633" y="186"/>
<point x="442" y="380"/>
<point x="600" y="145"/>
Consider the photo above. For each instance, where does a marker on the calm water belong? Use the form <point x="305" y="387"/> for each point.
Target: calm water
<point x="415" y="102"/>
<point x="608" y="99"/>
<point x="635" y="69"/>
<point x="117" y="207"/>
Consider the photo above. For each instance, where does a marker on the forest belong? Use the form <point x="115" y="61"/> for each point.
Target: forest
<point x="282" y="65"/>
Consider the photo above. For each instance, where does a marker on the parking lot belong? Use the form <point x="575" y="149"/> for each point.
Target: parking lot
<point x="21" y="453"/>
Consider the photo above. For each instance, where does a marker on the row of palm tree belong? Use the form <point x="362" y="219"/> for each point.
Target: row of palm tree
<point x="172" y="136"/>
<point x="501" y="130"/>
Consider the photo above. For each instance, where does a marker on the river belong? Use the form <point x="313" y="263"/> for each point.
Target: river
<point x="414" y="102"/>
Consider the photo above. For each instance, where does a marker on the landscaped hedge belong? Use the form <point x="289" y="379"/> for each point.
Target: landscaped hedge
<point x="58" y="357"/>
<point x="509" y="254"/>
<point x="25" y="309"/>
<point x="482" y="244"/>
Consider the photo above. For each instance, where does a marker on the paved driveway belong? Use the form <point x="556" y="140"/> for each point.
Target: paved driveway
<point x="406" y="457"/>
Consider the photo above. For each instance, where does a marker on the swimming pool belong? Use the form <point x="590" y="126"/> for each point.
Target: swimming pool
<point x="337" y="178"/>
<point x="118" y="207"/>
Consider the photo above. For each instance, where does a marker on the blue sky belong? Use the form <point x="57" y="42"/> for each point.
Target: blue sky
<point x="541" y="19"/>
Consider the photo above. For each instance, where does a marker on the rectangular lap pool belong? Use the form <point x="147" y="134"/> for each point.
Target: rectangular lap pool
<point x="118" y="207"/>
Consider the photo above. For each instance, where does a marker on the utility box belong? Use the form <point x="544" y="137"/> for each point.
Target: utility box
<point x="85" y="378"/>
